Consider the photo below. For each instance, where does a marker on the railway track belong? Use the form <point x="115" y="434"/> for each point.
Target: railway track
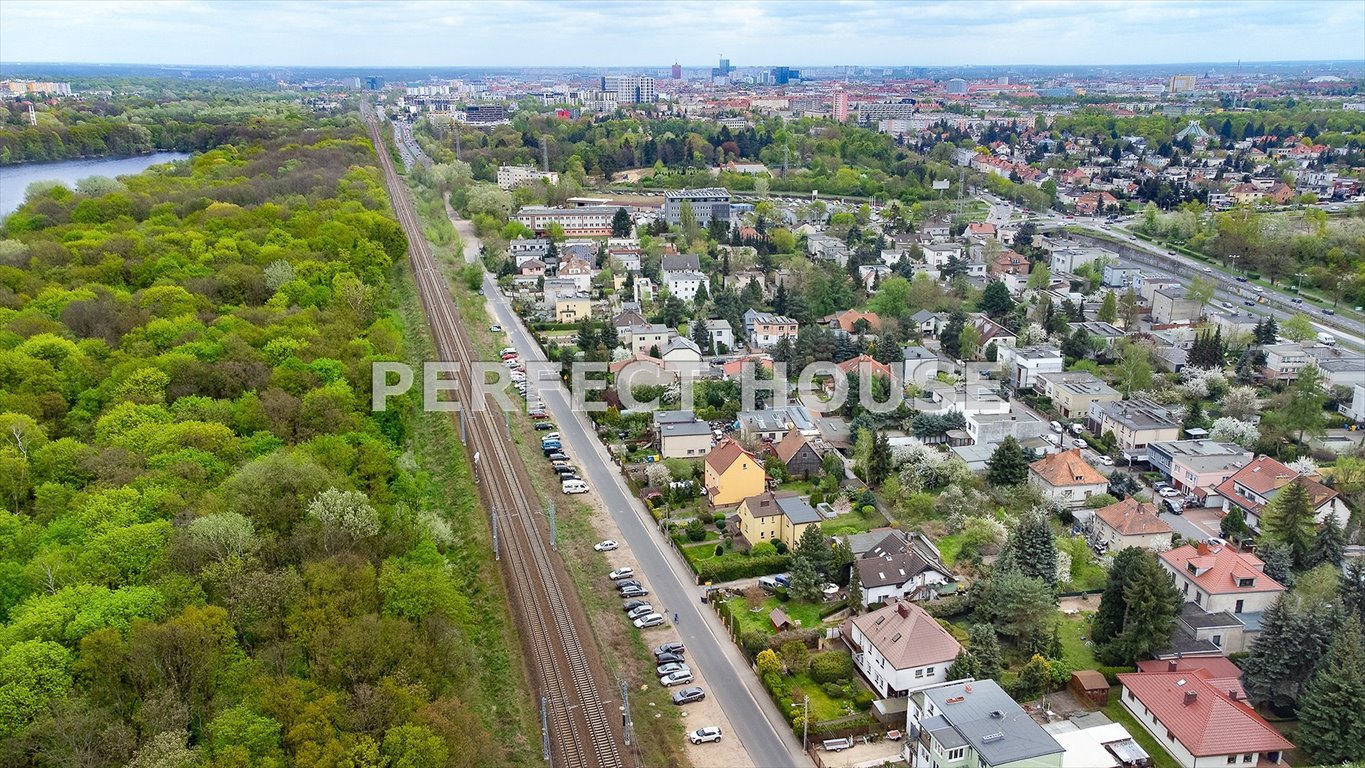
<point x="579" y="729"/>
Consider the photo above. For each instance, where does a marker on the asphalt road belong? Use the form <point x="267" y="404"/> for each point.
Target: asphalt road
<point x="756" y="722"/>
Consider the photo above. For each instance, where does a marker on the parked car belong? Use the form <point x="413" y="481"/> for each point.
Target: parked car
<point x="573" y="486"/>
<point x="544" y="425"/>
<point x="1106" y="461"/>
<point x="1168" y="493"/>
<point x="621" y="573"/>
<point x="634" y="592"/>
<point x="665" y="670"/>
<point x="631" y="605"/>
<point x="552" y="436"/>
<point x="704" y="735"/>
<point x="689" y="695"/>
<point x="628" y="583"/>
<point x="673" y="647"/>
<point x="557" y="456"/>
<point x="657" y="620"/>
<point x="667" y="658"/>
<point x="639" y="612"/>
<point x="495" y="328"/>
<point x="605" y="545"/>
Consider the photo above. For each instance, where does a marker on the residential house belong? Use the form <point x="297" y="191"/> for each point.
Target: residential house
<point x="852" y="322"/>
<point x="732" y="474"/>
<point x="763" y="425"/>
<point x="1073" y="392"/>
<point x="772" y="516"/>
<point x="1218" y="579"/>
<point x="523" y="249"/>
<point x="639" y="370"/>
<point x="683" y="439"/>
<point x="640" y="339"/>
<point x="988" y="428"/>
<point x="628" y="317"/>
<point x="1340" y="367"/>
<point x="938" y="255"/>
<point x="626" y="259"/>
<point x="1092" y="203"/>
<point x="827" y="248"/>
<point x="1253" y="487"/>
<point x="1173" y="306"/>
<point x="983" y="229"/>
<point x="1222" y="671"/>
<point x="579" y="271"/>
<point x="974" y="724"/>
<point x="1197" y="466"/>
<point x="679" y="263"/>
<point x="1284" y="361"/>
<point x="1027" y="364"/>
<point x="927" y="323"/>
<point x="1132" y="523"/>
<point x="798" y="455"/>
<point x="532" y="268"/>
<point x="1103" y="335"/>
<point x="865" y="365"/>
<point x="683" y="355"/>
<point x="643" y="289"/>
<point x="1067" y="478"/>
<point x="1122" y="278"/>
<point x="938" y="230"/>
<point x="1069" y="258"/>
<point x="1201" y="724"/>
<point x="571" y="309"/>
<point x="902" y="568"/>
<point x="1009" y="263"/>
<point x="721" y="334"/>
<point x="900" y="648"/>
<point x="764" y="329"/>
<point x="685" y="285"/>
<point x="921" y="365"/>
<point x="990" y="331"/>
<point x="1135" y="423"/>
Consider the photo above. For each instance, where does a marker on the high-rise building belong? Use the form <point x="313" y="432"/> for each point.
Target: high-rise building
<point x="374" y="83"/>
<point x="677" y="71"/>
<point x="956" y="85"/>
<point x="630" y="89"/>
<point x="722" y="73"/>
<point x="784" y="75"/>
<point x="840" y="106"/>
<point x="1181" y="84"/>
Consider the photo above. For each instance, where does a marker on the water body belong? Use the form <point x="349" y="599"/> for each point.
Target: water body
<point x="14" y="179"/>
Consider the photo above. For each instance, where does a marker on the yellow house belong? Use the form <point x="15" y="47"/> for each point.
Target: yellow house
<point x="571" y="310"/>
<point x="733" y="474"/>
<point x="773" y="517"/>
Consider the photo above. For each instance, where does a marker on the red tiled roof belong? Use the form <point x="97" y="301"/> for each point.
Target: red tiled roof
<point x="1066" y="468"/>
<point x="1223" y="674"/>
<point x="855" y="365"/>
<point x="789" y="445"/>
<point x="1219" y="569"/>
<point x="1207" y="723"/>
<point x="722" y="456"/>
<point x="1131" y="517"/>
<point x="1266" y="476"/>
<point x="907" y="637"/>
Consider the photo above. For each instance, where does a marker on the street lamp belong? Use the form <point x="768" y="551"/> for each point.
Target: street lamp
<point x="805" y="719"/>
<point x="1232" y="257"/>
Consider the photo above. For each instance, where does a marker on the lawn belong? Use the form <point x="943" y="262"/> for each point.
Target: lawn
<point x="1160" y="757"/>
<point x="822" y="707"/>
<point x="1077" y="651"/>
<point x="949" y="547"/>
<point x="853" y="522"/>
<point x="757" y="621"/>
<point x="1087" y="574"/>
<point x="696" y="553"/>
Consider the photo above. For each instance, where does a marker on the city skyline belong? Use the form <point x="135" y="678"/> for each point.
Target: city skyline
<point x="634" y="34"/>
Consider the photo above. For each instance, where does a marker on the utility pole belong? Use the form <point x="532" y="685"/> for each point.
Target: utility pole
<point x="554" y="535"/>
<point x="786" y="157"/>
<point x="544" y="732"/>
<point x="496" y="554"/>
<point x="627" y="724"/>
<point x="544" y="155"/>
<point x="805" y="720"/>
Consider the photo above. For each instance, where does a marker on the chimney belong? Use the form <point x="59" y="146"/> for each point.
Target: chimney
<point x="1190" y="697"/>
<point x="903" y="609"/>
<point x="1232" y="694"/>
<point x="1172" y="666"/>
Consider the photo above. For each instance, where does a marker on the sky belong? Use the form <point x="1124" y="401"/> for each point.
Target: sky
<point x="499" y="33"/>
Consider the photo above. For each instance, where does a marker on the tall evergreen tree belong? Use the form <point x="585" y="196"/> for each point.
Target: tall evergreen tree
<point x="996" y="301"/>
<point x="1295" y="633"/>
<point x="1352" y="588"/>
<point x="1278" y="562"/>
<point x="1007" y="465"/>
<point x="964" y="666"/>
<point x="814" y="546"/>
<point x="1109" y="618"/>
<point x="621" y="223"/>
<point x="700" y="336"/>
<point x="949" y="336"/>
<point x="984" y="645"/>
<point x="1151" y="603"/>
<point x="1330" y="544"/>
<point x="1332" y="710"/>
<point x="1031" y="549"/>
<point x="1289" y="520"/>
<point x="880" y="463"/>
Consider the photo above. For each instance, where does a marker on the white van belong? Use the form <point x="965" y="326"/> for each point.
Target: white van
<point x="573" y="486"/>
<point x="768" y="582"/>
<point x="508" y="351"/>
<point x="1056" y="426"/>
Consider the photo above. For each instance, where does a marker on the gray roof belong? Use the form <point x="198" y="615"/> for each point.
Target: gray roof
<point x="687" y="262"/>
<point x="797" y="509"/>
<point x="918" y="353"/>
<point x="997" y="728"/>
<point x="673" y="417"/>
<point x="685" y="429"/>
<point x="1195" y="617"/>
<point x="923" y="315"/>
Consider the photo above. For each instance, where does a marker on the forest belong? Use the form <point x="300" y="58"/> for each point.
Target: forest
<point x="182" y="119"/>
<point x="212" y="552"/>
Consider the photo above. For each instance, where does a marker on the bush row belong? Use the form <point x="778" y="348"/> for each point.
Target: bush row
<point x="735" y="566"/>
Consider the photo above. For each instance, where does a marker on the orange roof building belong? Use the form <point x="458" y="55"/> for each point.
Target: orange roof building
<point x="1066" y="478"/>
<point x="1132" y="523"/>
<point x="1198" y="722"/>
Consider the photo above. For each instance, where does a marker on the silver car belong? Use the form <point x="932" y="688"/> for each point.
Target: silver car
<point x="653" y="620"/>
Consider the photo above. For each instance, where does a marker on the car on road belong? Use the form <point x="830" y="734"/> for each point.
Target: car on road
<point x="1249" y="303"/>
<point x="606" y="545"/>
<point x="667" y="658"/>
<point x="634" y="592"/>
<point x="1168" y="493"/>
<point x="1106" y="461"/>
<point x="673" y="647"/>
<point x="621" y="573"/>
<point x="664" y="670"/>
<point x="639" y="612"/>
<point x="704" y="735"/>
<point x="657" y="620"/>
<point x="1208" y="270"/>
<point x="1241" y="278"/>
<point x="1329" y="311"/>
<point x="689" y="695"/>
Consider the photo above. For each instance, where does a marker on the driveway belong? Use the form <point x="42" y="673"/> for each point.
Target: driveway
<point x="756" y="723"/>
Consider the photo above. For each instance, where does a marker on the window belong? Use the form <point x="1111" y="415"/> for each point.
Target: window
<point x="1238" y="608"/>
<point x="919" y="673"/>
<point x="929" y="671"/>
<point x="956" y="754"/>
<point x="1218" y="640"/>
<point x="1170" y="735"/>
<point x="1232" y="759"/>
<point x="1131" y="695"/>
<point x="1248" y="758"/>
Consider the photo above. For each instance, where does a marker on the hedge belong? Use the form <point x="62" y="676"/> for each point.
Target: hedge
<point x="947" y="607"/>
<point x="736" y="566"/>
<point x="1111" y="674"/>
<point x="831" y="667"/>
<point x="856" y="725"/>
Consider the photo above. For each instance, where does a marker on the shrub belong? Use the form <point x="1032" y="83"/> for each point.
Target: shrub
<point x="733" y="566"/>
<point x="948" y="607"/>
<point x="720" y="550"/>
<point x="833" y="690"/>
<point x="754" y="642"/>
<point x="781" y="546"/>
<point x="863" y="699"/>
<point x="763" y="549"/>
<point x="1112" y="673"/>
<point x="719" y="520"/>
<point x="768" y="663"/>
<point x="696" y="531"/>
<point x="831" y="667"/>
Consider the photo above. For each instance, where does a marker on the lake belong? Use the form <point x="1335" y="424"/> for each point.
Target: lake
<point x="14" y="179"/>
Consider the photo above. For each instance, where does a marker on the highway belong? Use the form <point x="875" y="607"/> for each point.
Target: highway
<point x="756" y="722"/>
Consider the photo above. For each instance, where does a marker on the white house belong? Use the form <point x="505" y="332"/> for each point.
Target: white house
<point x="897" y="569"/>
<point x="721" y="333"/>
<point x="684" y="285"/>
<point x="900" y="648"/>
<point x="1027" y="364"/>
<point x="1066" y="478"/>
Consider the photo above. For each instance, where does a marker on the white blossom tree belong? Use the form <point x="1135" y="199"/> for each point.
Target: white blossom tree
<point x="346" y="517"/>
<point x="1228" y="429"/>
